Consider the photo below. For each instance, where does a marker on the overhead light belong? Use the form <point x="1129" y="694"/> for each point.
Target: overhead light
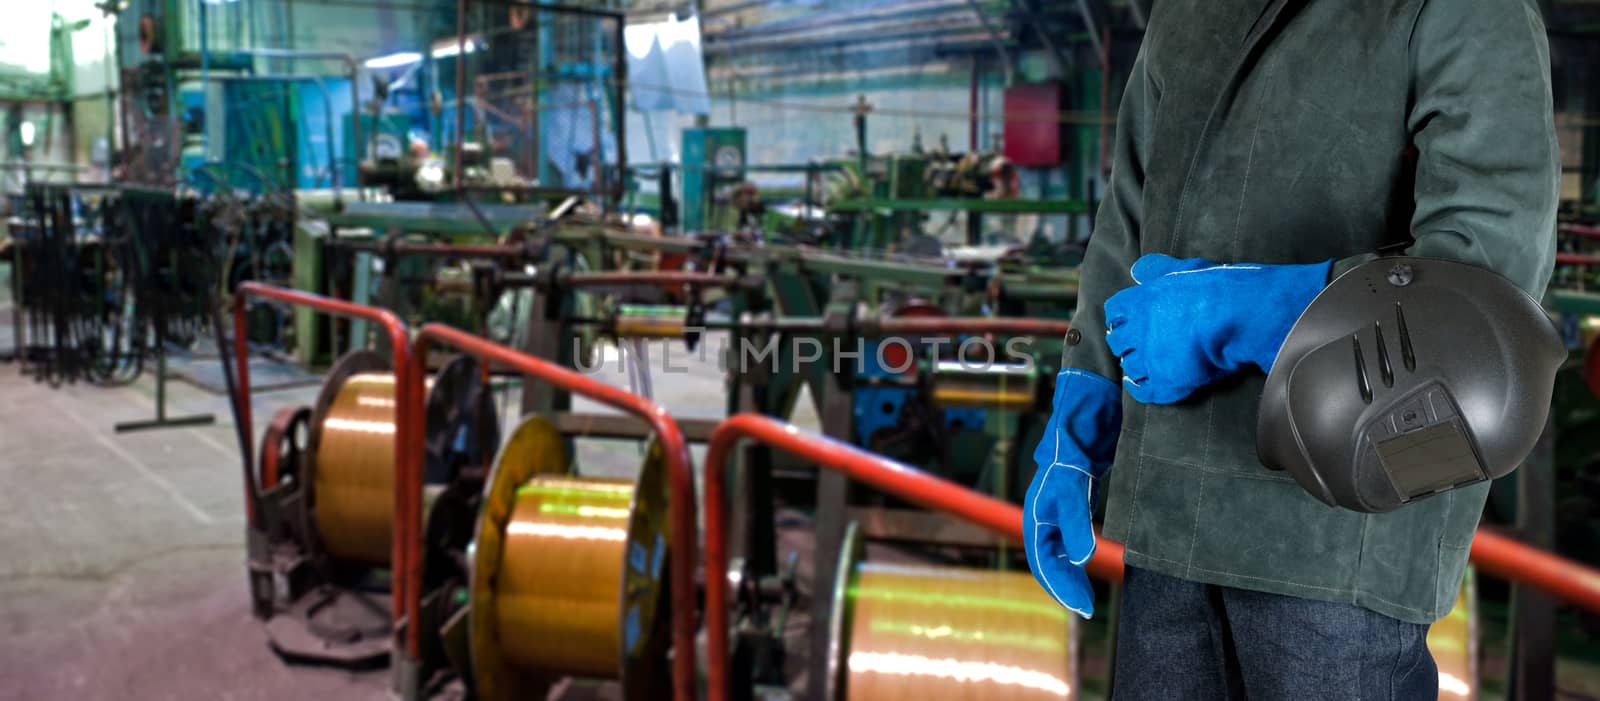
<point x="26" y="133"/>
<point x="451" y="47"/>
<point x="395" y="60"/>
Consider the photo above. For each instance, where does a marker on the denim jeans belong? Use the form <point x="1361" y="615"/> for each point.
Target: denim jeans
<point x="1184" y="640"/>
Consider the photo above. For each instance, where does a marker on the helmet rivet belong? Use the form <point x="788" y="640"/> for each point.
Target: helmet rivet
<point x="1400" y="275"/>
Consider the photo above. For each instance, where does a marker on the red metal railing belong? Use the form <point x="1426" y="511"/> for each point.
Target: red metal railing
<point x="680" y="475"/>
<point x="1512" y="561"/>
<point x="1492" y="553"/>
<point x="882" y="473"/>
<point x="912" y="325"/>
<point x="647" y="278"/>
<point x="1580" y="230"/>
<point x="400" y="548"/>
<point x="1577" y="259"/>
<point x="456" y="250"/>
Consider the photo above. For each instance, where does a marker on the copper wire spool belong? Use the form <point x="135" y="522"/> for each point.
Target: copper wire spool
<point x="649" y="322"/>
<point x="353" y="460"/>
<point x="352" y="457"/>
<point x="998" y="386"/>
<point x="567" y="573"/>
<point x="930" y="632"/>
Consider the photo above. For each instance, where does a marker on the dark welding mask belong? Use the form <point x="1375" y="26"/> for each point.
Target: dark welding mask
<point x="1407" y="377"/>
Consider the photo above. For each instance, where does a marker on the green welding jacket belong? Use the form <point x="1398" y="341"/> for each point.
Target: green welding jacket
<point x="1298" y="131"/>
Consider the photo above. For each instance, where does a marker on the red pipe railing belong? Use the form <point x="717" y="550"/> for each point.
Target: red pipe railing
<point x="881" y="473"/>
<point x="1492" y="553"/>
<point x="680" y="475"/>
<point x="459" y="250"/>
<point x="1512" y="561"/>
<point x="647" y="278"/>
<point x="1577" y="259"/>
<point x="400" y="547"/>
<point x="1579" y="230"/>
<point x="913" y="325"/>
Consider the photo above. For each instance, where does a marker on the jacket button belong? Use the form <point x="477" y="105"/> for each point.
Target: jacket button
<point x="1073" y="337"/>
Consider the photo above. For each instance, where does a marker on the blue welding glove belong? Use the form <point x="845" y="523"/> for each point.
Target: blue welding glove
<point x="1187" y="323"/>
<point x="1076" y="450"/>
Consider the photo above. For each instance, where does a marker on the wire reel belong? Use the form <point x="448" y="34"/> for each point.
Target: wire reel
<point x="925" y="632"/>
<point x="988" y="386"/>
<point x="351" y="444"/>
<point x="648" y="321"/>
<point x="326" y="510"/>
<point x="568" y="574"/>
<point x="352" y="467"/>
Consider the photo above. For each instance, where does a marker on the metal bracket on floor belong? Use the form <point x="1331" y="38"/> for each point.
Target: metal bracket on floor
<point x="162" y="420"/>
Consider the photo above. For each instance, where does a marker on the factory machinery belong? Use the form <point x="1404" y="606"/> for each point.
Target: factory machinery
<point x="389" y="521"/>
<point x="399" y="429"/>
<point x="108" y="278"/>
<point x="586" y="279"/>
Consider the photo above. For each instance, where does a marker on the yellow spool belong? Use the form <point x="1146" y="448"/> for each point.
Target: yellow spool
<point x="562" y="564"/>
<point x="352" y="449"/>
<point x="650" y="322"/>
<point x="568" y="573"/>
<point x="998" y="387"/>
<point x="922" y="632"/>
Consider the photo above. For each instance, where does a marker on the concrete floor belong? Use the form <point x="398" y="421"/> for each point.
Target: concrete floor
<point x="124" y="572"/>
<point x="123" y="575"/>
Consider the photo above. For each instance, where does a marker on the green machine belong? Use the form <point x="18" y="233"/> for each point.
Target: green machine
<point x="713" y="161"/>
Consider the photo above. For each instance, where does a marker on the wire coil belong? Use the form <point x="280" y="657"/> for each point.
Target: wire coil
<point x="924" y="632"/>
<point x="567" y="575"/>
<point x="649" y="322"/>
<point x="354" y="481"/>
<point x="352" y="466"/>
<point x="1000" y="387"/>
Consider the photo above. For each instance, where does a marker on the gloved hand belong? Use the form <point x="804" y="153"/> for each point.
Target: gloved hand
<point x="1076" y="450"/>
<point x="1188" y="323"/>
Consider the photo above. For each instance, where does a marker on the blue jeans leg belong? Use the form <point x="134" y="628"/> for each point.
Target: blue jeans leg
<point x="1184" y="640"/>
<point x="1172" y="641"/>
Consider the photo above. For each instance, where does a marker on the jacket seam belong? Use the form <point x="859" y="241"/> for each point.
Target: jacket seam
<point x="1200" y="490"/>
<point x="1411" y="40"/>
<point x="1244" y="576"/>
<point x="1438" y="551"/>
<point x="1202" y="467"/>
<point x="1361" y="552"/>
<point x="1138" y="477"/>
<point x="1249" y="161"/>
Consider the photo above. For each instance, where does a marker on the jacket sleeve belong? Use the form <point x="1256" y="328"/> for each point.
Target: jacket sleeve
<point x="1488" y="169"/>
<point x="1114" y="243"/>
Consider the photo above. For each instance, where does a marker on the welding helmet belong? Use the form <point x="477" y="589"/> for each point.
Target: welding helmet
<point x="1407" y="377"/>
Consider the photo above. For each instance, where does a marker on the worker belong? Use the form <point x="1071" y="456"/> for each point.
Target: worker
<point x="1261" y="149"/>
